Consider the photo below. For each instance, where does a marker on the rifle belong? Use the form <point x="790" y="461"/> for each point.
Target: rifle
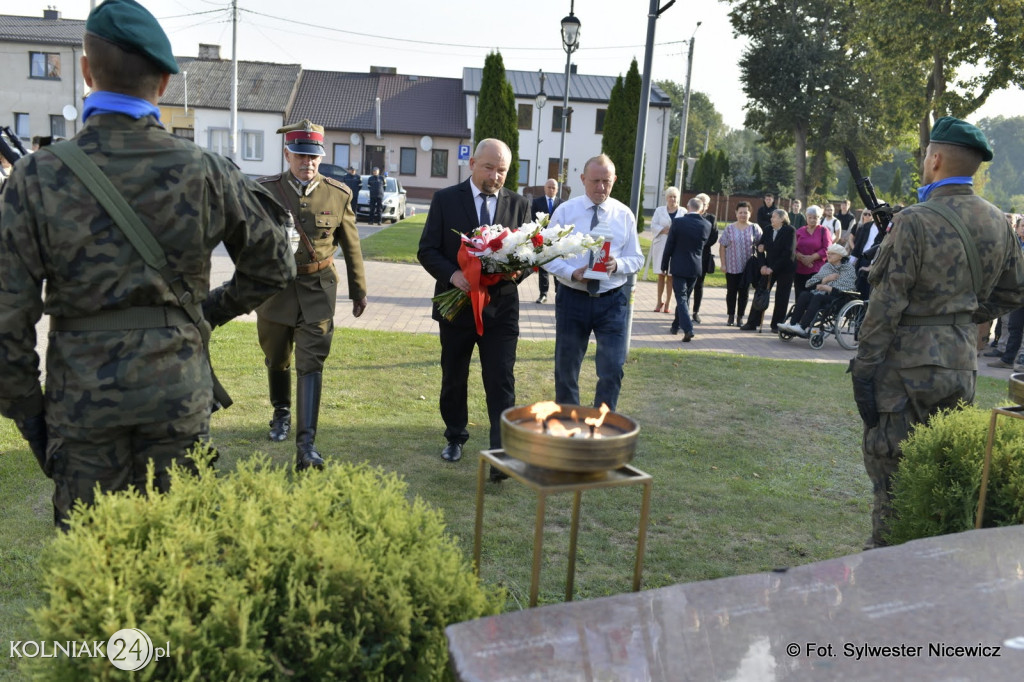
<point x="880" y="211"/>
<point x="10" y="146"/>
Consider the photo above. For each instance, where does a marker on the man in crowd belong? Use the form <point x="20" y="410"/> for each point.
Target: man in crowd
<point x="796" y="218"/>
<point x="375" y="186"/>
<point x="584" y="305"/>
<point x="354" y="183"/>
<point x="301" y="318"/>
<point x="946" y="264"/>
<point x="480" y="200"/>
<point x="545" y="204"/>
<point x="847" y="220"/>
<point x="129" y="380"/>
<point x="683" y="259"/>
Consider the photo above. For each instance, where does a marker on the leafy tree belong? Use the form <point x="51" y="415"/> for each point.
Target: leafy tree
<point x="721" y="170"/>
<point x="939" y="58"/>
<point x="1006" y="172"/>
<point x="496" y="114"/>
<point x="619" y="138"/>
<point x="703" y="172"/>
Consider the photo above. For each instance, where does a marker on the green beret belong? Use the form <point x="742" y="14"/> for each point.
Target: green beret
<point x="951" y="130"/>
<point x="130" y="26"/>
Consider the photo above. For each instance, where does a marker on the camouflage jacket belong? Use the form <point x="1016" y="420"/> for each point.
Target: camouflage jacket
<point x="324" y="211"/>
<point x="53" y="230"/>
<point x="921" y="269"/>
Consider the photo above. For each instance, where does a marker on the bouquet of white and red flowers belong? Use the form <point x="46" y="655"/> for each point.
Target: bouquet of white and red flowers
<point x="491" y="253"/>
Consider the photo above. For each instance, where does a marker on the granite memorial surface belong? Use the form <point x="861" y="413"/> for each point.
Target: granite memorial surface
<point x="945" y="608"/>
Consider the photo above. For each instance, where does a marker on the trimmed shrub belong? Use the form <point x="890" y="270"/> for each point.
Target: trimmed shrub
<point x="936" y="488"/>
<point x="258" y="575"/>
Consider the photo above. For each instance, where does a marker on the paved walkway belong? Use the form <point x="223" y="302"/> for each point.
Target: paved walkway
<point x="399" y="300"/>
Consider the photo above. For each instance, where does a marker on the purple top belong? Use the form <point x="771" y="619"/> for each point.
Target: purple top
<point x="807" y="243"/>
<point x="740" y="246"/>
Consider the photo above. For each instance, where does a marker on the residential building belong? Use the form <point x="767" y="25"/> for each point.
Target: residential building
<point x="197" y="105"/>
<point x="409" y="126"/>
<point x="588" y="103"/>
<point x="40" y="78"/>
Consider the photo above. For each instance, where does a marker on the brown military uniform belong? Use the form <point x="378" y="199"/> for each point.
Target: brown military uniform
<point x="303" y="314"/>
<point x="921" y="274"/>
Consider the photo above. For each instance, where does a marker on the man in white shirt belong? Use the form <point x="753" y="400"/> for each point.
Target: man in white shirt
<point x="830" y="222"/>
<point x="586" y="305"/>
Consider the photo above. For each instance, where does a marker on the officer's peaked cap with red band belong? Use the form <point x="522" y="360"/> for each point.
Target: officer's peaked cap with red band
<point x="304" y="137"/>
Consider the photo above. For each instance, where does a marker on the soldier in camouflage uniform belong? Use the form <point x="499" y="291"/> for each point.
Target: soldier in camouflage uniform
<point x="917" y="342"/>
<point x="128" y="379"/>
<point x="302" y="316"/>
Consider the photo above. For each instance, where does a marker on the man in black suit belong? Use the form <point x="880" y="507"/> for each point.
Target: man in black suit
<point x="545" y="204"/>
<point x="777" y="255"/>
<point x="480" y="200"/>
<point x="683" y="260"/>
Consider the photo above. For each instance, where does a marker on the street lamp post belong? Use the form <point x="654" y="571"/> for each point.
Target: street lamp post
<point x="570" y="43"/>
<point x="541" y="100"/>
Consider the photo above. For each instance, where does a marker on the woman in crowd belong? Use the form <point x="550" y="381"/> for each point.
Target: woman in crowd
<point x="738" y="243"/>
<point x="812" y="242"/>
<point x="865" y="219"/>
<point x="707" y="260"/>
<point x="660" y="222"/>
<point x="835" y="276"/>
<point x="776" y="255"/>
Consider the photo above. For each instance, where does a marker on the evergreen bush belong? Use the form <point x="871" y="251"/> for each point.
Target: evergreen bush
<point x="936" y="488"/>
<point x="259" y="575"/>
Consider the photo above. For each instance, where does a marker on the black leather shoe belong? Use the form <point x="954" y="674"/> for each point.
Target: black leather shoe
<point x="731" y="321"/>
<point x="748" y="327"/>
<point x="696" y="318"/>
<point x="673" y="330"/>
<point x="543" y="298"/>
<point x="452" y="452"/>
<point x="496" y="475"/>
<point x="687" y="337"/>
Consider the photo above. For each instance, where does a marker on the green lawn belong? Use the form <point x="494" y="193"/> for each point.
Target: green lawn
<point x="756" y="464"/>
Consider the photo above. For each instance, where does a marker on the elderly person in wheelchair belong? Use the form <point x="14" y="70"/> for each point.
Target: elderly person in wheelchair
<point x="827" y="286"/>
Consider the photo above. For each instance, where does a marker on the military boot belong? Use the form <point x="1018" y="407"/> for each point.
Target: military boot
<point x="307" y="402"/>
<point x="281" y="399"/>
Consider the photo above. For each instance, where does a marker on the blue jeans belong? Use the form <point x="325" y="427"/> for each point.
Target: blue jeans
<point x="577" y="314"/>
<point x="682" y="286"/>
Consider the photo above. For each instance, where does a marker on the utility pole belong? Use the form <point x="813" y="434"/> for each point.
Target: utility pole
<point x="233" y="133"/>
<point x="680" y="180"/>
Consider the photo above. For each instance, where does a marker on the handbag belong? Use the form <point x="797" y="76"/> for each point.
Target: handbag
<point x="762" y="295"/>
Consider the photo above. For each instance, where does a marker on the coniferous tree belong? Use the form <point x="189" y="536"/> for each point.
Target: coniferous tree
<point x="896" y="188"/>
<point x="673" y="166"/>
<point x="496" y="113"/>
<point x="758" y="177"/>
<point x="620" y="145"/>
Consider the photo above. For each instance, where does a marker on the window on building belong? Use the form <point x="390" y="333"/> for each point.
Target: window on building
<point x="341" y="155"/>
<point x="220" y="141"/>
<point x="21" y="127"/>
<point x="599" y="124"/>
<point x="553" y="169"/>
<point x="526" y="117"/>
<point x="556" y="120"/>
<point x="252" y="145"/>
<point x="44" y="65"/>
<point x="186" y="133"/>
<point x="439" y="163"/>
<point x="57" y="126"/>
<point x="407" y="161"/>
<point x="524" y="172"/>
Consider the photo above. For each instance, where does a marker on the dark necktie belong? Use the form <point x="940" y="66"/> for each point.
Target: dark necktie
<point x="485" y="213"/>
<point x="550" y="207"/>
<point x="593" y="284"/>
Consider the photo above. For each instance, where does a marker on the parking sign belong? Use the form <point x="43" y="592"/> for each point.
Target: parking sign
<point x="463" y="152"/>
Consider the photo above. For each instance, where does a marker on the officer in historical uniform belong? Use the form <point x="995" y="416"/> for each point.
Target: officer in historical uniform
<point x="128" y="379"/>
<point x="946" y="264"/>
<point x="302" y="316"/>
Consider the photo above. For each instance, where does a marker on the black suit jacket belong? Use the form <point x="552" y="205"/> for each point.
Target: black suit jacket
<point x="779" y="250"/>
<point x="540" y="205"/>
<point x="685" y="245"/>
<point x="707" y="259"/>
<point x="454" y="208"/>
<point x="860" y="246"/>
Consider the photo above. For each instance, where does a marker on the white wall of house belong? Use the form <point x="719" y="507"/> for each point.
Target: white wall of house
<point x="259" y="144"/>
<point x="28" y="86"/>
<point x="582" y="141"/>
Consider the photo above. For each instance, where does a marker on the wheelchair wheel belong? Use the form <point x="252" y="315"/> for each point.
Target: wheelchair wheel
<point x="817" y="339"/>
<point x="848" y="321"/>
<point x="785" y="336"/>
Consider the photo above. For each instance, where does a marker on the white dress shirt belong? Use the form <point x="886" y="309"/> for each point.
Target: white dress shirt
<point x="625" y="248"/>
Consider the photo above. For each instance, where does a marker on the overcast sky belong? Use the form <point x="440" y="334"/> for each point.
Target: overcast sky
<point x="342" y="35"/>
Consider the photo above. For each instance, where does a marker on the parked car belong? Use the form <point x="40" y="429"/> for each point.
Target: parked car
<point x="394" y="194"/>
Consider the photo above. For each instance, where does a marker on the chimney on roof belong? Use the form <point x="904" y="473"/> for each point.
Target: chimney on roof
<point x="572" y="69"/>
<point x="211" y="52"/>
<point x="51" y="13"/>
<point x="387" y="70"/>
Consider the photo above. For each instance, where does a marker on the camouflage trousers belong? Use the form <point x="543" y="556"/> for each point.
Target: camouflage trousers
<point x="882" y="456"/>
<point x="117" y="457"/>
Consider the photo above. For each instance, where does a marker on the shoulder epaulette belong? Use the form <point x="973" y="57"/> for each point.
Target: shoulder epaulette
<point x="269" y="178"/>
<point x="337" y="183"/>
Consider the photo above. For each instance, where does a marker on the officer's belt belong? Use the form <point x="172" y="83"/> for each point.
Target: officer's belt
<point x="935" y="320"/>
<point x="139" y="317"/>
<point x="310" y="268"/>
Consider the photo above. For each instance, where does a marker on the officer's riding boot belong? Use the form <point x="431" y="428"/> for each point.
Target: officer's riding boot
<point x="307" y="402"/>
<point x="281" y="399"/>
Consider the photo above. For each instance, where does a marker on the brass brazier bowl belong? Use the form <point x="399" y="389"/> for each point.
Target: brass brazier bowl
<point x="605" y="447"/>
<point x="1017" y="388"/>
